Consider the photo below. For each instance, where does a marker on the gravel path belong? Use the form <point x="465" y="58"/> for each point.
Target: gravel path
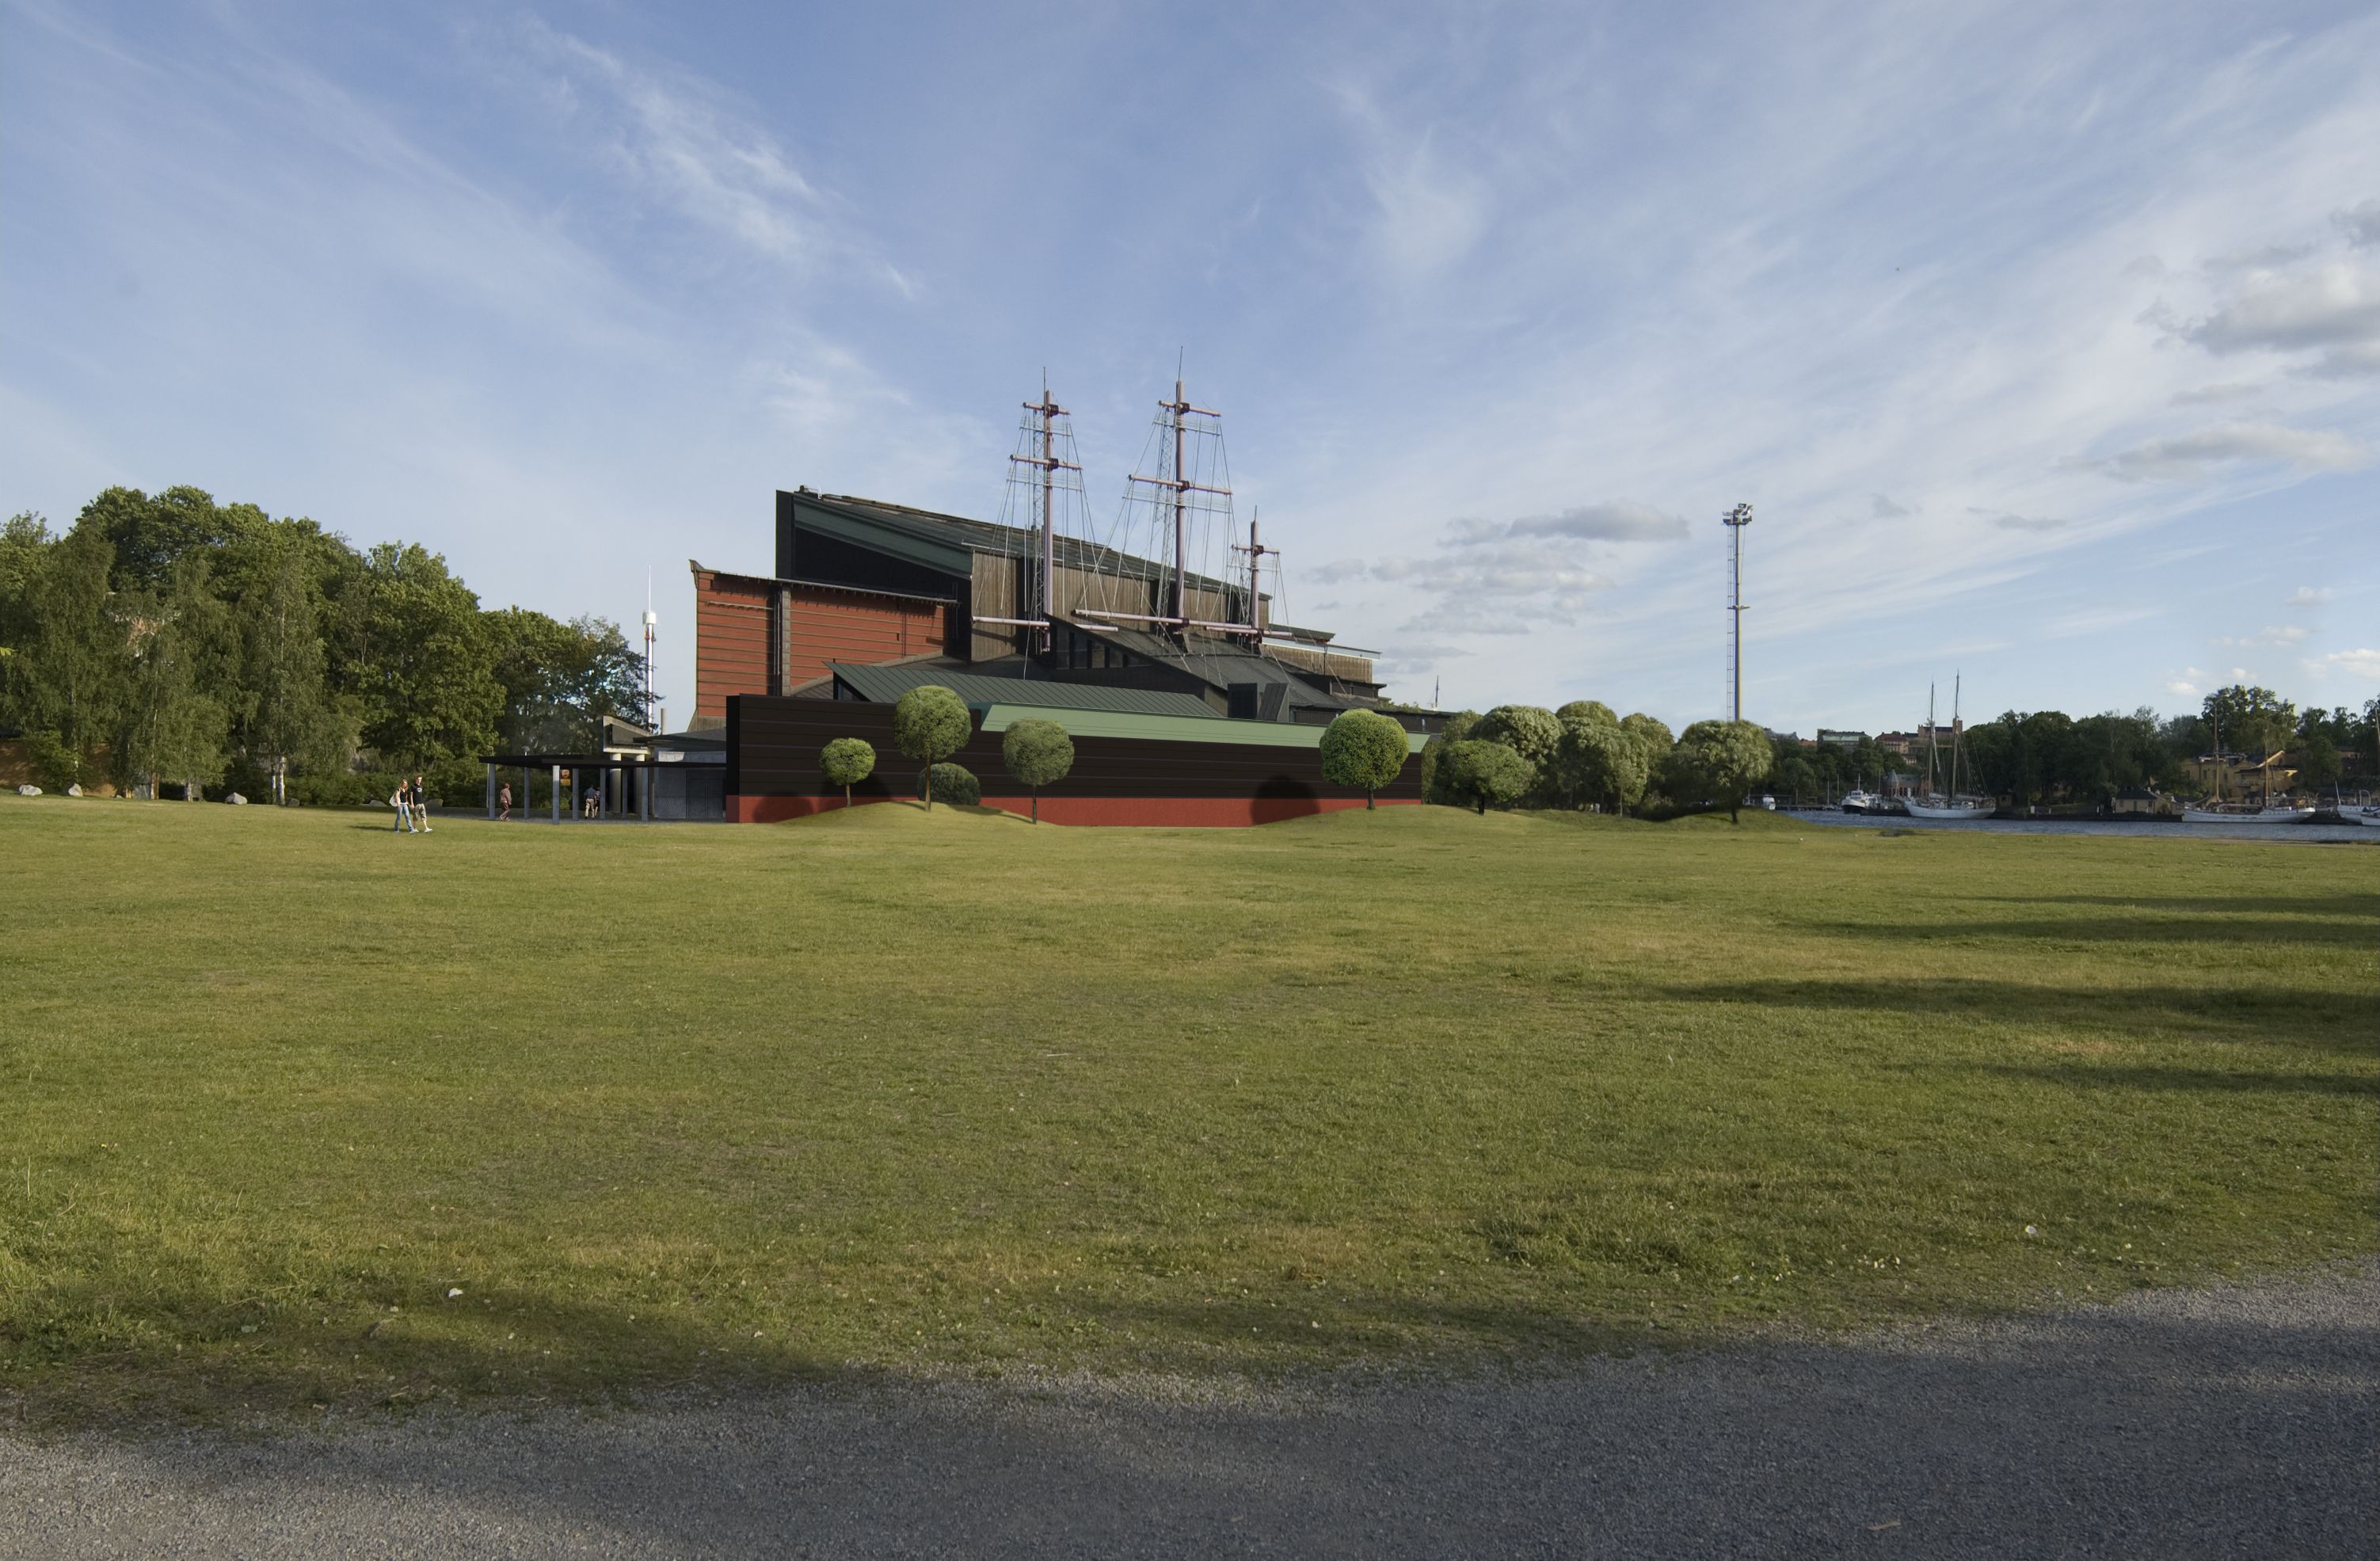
<point x="2233" y="1422"/>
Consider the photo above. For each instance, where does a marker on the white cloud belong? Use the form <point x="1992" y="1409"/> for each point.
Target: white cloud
<point x="2363" y="665"/>
<point x="2189" y="455"/>
<point x="2309" y="596"/>
<point x="2178" y="685"/>
<point x="2335" y="309"/>
<point x="2278" y="636"/>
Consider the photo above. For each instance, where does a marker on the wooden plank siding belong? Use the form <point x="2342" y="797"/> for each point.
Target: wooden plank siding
<point x="754" y="635"/>
<point x="772" y="771"/>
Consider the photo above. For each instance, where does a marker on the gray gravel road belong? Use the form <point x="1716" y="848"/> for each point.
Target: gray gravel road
<point x="2235" y="1422"/>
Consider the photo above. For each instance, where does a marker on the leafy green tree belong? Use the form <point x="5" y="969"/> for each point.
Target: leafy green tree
<point x="420" y="665"/>
<point x="2318" y="765"/>
<point x="1587" y="709"/>
<point x="1649" y="731"/>
<point x="1039" y="753"/>
<point x="1795" y="778"/>
<point x="1607" y="763"/>
<point x="931" y="723"/>
<point x="67" y="669"/>
<point x="177" y="726"/>
<point x="954" y="783"/>
<point x="1484" y="774"/>
<point x="289" y="715"/>
<point x="1454" y="728"/>
<point x="562" y="682"/>
<point x="846" y="762"/>
<point x="1364" y="751"/>
<point x="1719" y="759"/>
<point x="2255" y="721"/>
<point x="1528" y="730"/>
<point x="150" y="535"/>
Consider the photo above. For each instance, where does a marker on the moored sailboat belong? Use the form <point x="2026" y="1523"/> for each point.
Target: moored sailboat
<point x="1935" y="803"/>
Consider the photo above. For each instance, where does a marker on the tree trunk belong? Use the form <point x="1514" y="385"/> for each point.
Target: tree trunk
<point x="846" y="798"/>
<point x="1037" y="791"/>
<point x="1368" y="803"/>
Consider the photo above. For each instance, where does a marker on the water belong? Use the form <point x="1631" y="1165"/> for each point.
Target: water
<point x="2269" y="834"/>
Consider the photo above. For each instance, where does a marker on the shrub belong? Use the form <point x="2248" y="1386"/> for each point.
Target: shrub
<point x="955" y="784"/>
<point x="1364" y="750"/>
<point x="931" y="723"/>
<point x="1039" y="753"/>
<point x="1481" y="773"/>
<point x="1456" y="728"/>
<point x="846" y="762"/>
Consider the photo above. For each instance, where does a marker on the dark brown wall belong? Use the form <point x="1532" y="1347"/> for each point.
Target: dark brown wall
<point x="773" y="749"/>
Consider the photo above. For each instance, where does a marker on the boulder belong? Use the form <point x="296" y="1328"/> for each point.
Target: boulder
<point x="236" y="799"/>
<point x="29" y="790"/>
<point x="73" y="790"/>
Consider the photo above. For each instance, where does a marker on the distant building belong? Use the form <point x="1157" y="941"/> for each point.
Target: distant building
<point x="2242" y="777"/>
<point x="1901" y="743"/>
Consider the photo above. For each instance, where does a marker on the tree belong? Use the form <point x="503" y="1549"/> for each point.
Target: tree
<point x="2318" y="763"/>
<point x="846" y="762"/>
<point x="1587" y="709"/>
<point x="2252" y="721"/>
<point x="290" y="712"/>
<point x="562" y="682"/>
<point x="1528" y="730"/>
<point x="1454" y="728"/>
<point x="67" y="669"/>
<point x="1039" y="753"/>
<point x="1364" y="750"/>
<point x="1649" y="731"/>
<point x="1604" y="761"/>
<point x="1718" y="759"/>
<point x="177" y="724"/>
<point x="931" y="723"/>
<point x="1482" y="773"/>
<point x="955" y="784"/>
<point x="421" y="664"/>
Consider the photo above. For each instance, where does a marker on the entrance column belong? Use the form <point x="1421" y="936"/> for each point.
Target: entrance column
<point x="492" y="789"/>
<point x="554" y="794"/>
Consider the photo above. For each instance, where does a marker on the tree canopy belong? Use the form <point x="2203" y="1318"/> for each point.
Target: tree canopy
<point x="1037" y="753"/>
<point x="1364" y="750"/>
<point x="1484" y="774"/>
<point x="931" y="723"/>
<point x="845" y="762"/>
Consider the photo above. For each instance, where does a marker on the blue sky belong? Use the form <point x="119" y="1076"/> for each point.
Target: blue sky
<point x="2044" y="340"/>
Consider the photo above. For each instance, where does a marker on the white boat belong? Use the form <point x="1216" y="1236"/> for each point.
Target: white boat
<point x="2245" y="813"/>
<point x="1935" y="803"/>
<point x="1857" y="801"/>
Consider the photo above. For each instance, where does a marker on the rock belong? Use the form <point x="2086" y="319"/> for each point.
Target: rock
<point x="236" y="799"/>
<point x="29" y="790"/>
<point x="73" y="790"/>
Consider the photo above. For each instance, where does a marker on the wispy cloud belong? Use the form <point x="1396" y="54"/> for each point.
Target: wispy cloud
<point x="2191" y="454"/>
<point x="2277" y="635"/>
<point x="2363" y="665"/>
<point x="2309" y="596"/>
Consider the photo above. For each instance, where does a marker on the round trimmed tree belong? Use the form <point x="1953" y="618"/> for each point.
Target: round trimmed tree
<point x="929" y="725"/>
<point x="1481" y="772"/>
<point x="848" y="761"/>
<point x="1039" y="753"/>
<point x="1721" y="759"/>
<point x="1364" y="750"/>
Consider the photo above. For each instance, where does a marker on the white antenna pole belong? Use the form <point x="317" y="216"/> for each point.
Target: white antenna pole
<point x="1735" y="520"/>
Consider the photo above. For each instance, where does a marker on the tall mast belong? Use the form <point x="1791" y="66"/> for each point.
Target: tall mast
<point x="1181" y="498"/>
<point x="1043" y="433"/>
<point x="1956" y="679"/>
<point x="1933" y="745"/>
<point x="1175" y="411"/>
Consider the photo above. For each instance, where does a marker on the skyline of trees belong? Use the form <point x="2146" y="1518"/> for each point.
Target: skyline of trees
<point x="171" y="639"/>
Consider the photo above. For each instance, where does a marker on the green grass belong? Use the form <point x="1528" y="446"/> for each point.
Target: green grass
<point x="891" y="1092"/>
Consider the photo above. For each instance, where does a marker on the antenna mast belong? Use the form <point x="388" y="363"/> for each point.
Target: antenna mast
<point x="1735" y="520"/>
<point x="646" y="713"/>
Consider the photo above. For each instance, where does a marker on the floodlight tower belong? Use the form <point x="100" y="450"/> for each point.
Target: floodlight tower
<point x="1735" y="520"/>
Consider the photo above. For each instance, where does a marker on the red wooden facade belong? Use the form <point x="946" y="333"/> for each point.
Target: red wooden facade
<point x="758" y="635"/>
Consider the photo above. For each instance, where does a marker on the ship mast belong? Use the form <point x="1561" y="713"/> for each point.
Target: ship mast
<point x="1042" y="433"/>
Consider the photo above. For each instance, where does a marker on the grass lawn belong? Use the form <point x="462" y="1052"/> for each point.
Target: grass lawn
<point x="886" y="1091"/>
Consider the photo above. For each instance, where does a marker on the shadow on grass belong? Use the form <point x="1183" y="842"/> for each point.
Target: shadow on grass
<point x="2235" y="930"/>
<point x="2362" y="907"/>
<point x="2322" y="1020"/>
<point x="2153" y="1076"/>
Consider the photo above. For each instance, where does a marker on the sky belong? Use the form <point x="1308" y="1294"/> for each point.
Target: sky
<point x="2042" y="339"/>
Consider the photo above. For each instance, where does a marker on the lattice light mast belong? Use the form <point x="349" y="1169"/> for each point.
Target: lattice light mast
<point x="1735" y="521"/>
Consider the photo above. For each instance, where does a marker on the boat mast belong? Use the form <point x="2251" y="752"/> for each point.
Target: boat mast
<point x="1933" y="747"/>
<point x="1956" y="679"/>
<point x="1041" y="433"/>
<point x="1175" y="411"/>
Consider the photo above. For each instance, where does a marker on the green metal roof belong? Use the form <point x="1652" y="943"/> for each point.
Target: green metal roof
<point x="1167" y="728"/>
<point x="882" y="686"/>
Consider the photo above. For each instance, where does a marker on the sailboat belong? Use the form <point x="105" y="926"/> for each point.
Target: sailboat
<point x="2220" y="812"/>
<point x="1936" y="804"/>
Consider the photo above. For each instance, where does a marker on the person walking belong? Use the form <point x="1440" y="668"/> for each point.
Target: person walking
<point x="402" y="800"/>
<point x="504" y="802"/>
<point x="422" y="804"/>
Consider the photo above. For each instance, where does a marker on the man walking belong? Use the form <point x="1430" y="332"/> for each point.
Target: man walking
<point x="422" y="804"/>
<point x="504" y="802"/>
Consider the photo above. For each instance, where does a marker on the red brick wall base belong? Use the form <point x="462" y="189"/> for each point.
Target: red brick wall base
<point x="1172" y="812"/>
